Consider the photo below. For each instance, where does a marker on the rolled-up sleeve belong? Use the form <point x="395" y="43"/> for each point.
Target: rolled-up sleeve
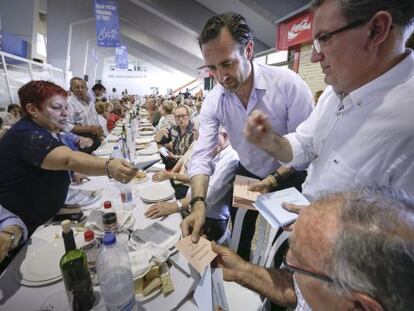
<point x="301" y="141"/>
<point x="200" y="161"/>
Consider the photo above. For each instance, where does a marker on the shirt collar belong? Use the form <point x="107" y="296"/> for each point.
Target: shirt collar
<point x="393" y="77"/>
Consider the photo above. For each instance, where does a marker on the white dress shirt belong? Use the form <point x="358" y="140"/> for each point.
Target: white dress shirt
<point x="81" y="113"/>
<point x="278" y="92"/>
<point x="365" y="139"/>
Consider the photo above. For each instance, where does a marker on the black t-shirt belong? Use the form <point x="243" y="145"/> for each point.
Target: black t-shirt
<point x="32" y="193"/>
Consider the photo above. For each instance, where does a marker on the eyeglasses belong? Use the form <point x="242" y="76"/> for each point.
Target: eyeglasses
<point x="318" y="42"/>
<point x="293" y="269"/>
<point x="181" y="116"/>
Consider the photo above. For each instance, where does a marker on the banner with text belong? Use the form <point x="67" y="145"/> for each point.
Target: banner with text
<point x="107" y="23"/>
<point x="121" y="57"/>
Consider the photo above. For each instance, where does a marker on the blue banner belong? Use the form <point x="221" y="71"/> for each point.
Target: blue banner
<point x="107" y="23"/>
<point x="121" y="57"/>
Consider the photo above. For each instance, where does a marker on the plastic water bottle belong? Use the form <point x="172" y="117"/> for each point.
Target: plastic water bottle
<point x="126" y="196"/>
<point x="116" y="153"/>
<point x="91" y="249"/>
<point x="115" y="276"/>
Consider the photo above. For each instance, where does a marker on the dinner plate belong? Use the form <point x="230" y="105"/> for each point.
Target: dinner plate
<point x="27" y="283"/>
<point x="156" y="192"/>
<point x="77" y="197"/>
<point x="146" y="133"/>
<point x="144" y="140"/>
<point x="43" y="264"/>
<point x="148" y="151"/>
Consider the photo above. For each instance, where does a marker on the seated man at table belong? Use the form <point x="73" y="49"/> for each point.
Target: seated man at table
<point x="12" y="233"/>
<point x="178" y="138"/>
<point x="348" y="251"/>
<point x="219" y="193"/>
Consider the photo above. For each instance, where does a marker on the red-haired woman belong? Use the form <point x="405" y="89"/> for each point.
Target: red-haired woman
<point x="34" y="163"/>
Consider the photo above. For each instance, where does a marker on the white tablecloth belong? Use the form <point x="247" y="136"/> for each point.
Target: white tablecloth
<point x="14" y="296"/>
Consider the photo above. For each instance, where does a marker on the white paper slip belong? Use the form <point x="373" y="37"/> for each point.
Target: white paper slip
<point x="164" y="151"/>
<point x="219" y="295"/>
<point x="270" y="207"/>
<point x="203" y="293"/>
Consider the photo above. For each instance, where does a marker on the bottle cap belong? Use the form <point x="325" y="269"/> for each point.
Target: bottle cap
<point x="89" y="235"/>
<point x="107" y="204"/>
<point x="66" y="225"/>
<point x="109" y="239"/>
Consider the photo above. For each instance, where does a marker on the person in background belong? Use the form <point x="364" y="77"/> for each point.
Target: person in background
<point x="226" y="43"/>
<point x="13" y="115"/>
<point x="98" y="92"/>
<point x="102" y="116"/>
<point x="219" y="193"/>
<point x="3" y="130"/>
<point x="13" y="232"/>
<point x="34" y="162"/>
<point x="153" y="114"/>
<point x="83" y="118"/>
<point x="167" y="119"/>
<point x="118" y="109"/>
<point x="352" y="250"/>
<point x="178" y="138"/>
<point x="111" y="118"/>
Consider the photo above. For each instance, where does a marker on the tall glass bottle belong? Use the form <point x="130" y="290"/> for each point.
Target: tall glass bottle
<point x="74" y="267"/>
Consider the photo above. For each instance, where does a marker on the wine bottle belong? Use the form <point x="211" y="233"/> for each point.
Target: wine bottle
<point x="74" y="268"/>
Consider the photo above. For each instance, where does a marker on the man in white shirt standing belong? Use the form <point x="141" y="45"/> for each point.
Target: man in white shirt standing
<point x="226" y="43"/>
<point x="362" y="130"/>
<point x="83" y="118"/>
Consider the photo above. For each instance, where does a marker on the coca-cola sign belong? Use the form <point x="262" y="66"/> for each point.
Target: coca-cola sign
<point x="295" y="31"/>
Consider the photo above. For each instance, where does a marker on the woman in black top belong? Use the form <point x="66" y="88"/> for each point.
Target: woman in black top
<point x="35" y="164"/>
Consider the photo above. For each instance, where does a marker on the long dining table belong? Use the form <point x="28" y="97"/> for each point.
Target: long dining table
<point x="16" y="296"/>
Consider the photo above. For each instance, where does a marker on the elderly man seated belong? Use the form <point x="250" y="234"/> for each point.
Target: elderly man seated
<point x="178" y="138"/>
<point x="348" y="251"/>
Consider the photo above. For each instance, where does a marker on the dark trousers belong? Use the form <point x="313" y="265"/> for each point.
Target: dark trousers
<point x="214" y="228"/>
<point x="249" y="223"/>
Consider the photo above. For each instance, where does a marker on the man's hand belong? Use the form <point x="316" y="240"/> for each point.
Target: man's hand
<point x="193" y="223"/>
<point x="161" y="209"/>
<point x="160" y="134"/>
<point x="263" y="186"/>
<point x="258" y="130"/>
<point x="234" y="267"/>
<point x="84" y="142"/>
<point x="160" y="176"/>
<point x="121" y="170"/>
<point x="4" y="245"/>
<point x="79" y="178"/>
<point x="294" y="208"/>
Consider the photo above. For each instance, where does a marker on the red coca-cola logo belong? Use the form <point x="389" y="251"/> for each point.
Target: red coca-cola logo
<point x="297" y="28"/>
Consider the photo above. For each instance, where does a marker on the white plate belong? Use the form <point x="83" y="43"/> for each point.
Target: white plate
<point x="43" y="264"/>
<point x="102" y="151"/>
<point x="77" y="197"/>
<point x="149" y="151"/>
<point x="144" y="140"/>
<point x="138" y="181"/>
<point x="156" y="192"/>
<point x="35" y="284"/>
<point x="146" y="133"/>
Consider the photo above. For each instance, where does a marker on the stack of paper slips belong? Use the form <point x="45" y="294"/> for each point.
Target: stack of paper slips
<point x="270" y="207"/>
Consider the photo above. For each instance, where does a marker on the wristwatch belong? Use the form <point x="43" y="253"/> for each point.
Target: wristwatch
<point x="12" y="237"/>
<point x="179" y="205"/>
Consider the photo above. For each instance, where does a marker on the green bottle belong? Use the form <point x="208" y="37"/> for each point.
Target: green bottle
<point x="74" y="267"/>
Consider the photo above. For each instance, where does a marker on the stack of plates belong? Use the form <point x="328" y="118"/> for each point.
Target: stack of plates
<point x="148" y="151"/>
<point x="156" y="193"/>
<point x="146" y="133"/>
<point x="41" y="266"/>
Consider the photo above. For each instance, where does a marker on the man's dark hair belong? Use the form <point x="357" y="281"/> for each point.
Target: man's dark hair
<point x="235" y="24"/>
<point x="402" y="11"/>
<point x="98" y="87"/>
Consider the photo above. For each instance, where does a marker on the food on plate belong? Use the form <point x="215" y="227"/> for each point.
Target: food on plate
<point x="140" y="175"/>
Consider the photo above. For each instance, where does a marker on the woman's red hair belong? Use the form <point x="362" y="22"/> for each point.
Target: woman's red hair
<point x="37" y="92"/>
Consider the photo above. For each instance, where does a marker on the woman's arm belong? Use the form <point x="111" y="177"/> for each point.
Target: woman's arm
<point x="63" y="158"/>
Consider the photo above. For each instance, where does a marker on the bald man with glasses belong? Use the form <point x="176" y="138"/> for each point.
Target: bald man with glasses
<point x="348" y="251"/>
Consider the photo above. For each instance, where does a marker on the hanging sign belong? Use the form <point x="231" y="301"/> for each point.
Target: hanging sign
<point x="107" y="23"/>
<point x="295" y="31"/>
<point x="121" y="57"/>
